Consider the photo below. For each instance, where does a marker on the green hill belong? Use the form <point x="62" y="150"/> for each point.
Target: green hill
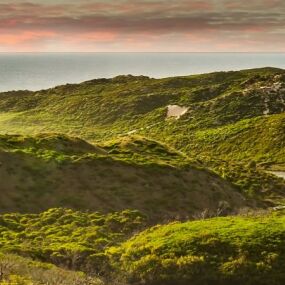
<point x="129" y="152"/>
<point x="233" y="119"/>
<point x="48" y="171"/>
<point x="228" y="112"/>
<point x="105" y="108"/>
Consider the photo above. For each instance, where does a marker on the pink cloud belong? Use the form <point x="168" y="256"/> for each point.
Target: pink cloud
<point x="20" y="38"/>
<point x="123" y="25"/>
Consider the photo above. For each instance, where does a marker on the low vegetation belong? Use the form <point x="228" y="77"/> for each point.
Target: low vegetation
<point x="235" y="117"/>
<point x="115" y="249"/>
<point x="234" y="250"/>
<point x="74" y="158"/>
<point x="16" y="270"/>
<point x="70" y="239"/>
<point x="49" y="171"/>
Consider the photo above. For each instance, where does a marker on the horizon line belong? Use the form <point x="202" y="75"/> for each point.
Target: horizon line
<point x="110" y="52"/>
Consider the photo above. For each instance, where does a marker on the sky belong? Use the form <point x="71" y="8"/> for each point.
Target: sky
<point x="142" y="26"/>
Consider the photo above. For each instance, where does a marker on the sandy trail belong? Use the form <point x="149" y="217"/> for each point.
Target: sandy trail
<point x="278" y="173"/>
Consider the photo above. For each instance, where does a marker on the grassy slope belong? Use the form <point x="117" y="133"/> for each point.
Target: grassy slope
<point x="105" y="108"/>
<point x="54" y="170"/>
<point x="226" y="112"/>
<point x="232" y="250"/>
<point x="260" y="139"/>
<point x="223" y="127"/>
<point x="70" y="239"/>
<point x="24" y="271"/>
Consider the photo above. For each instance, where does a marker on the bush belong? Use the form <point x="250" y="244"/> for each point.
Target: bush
<point x="223" y="251"/>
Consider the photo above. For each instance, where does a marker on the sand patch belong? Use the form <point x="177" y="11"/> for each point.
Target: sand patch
<point x="176" y="111"/>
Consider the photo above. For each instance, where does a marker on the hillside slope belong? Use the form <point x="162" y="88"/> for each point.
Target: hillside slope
<point x="130" y="152"/>
<point x="16" y="270"/>
<point x="47" y="171"/>
<point x="227" y="112"/>
<point x="230" y="120"/>
<point x="232" y="250"/>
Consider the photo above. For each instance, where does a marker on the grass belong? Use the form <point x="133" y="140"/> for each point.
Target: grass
<point x="67" y="238"/>
<point x="46" y="171"/>
<point x="245" y="249"/>
<point x="225" y="122"/>
<point x="106" y="145"/>
<point x="232" y="250"/>
<point x="104" y="109"/>
<point x="17" y="270"/>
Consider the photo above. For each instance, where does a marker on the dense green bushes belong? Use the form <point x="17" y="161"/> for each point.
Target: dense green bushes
<point x="71" y="239"/>
<point x="233" y="250"/>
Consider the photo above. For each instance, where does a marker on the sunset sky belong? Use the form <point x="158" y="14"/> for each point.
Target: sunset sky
<point x="142" y="25"/>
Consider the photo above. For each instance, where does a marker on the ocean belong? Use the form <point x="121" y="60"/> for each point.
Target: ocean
<point x="35" y="71"/>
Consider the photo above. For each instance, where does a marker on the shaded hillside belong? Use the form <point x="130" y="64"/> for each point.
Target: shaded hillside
<point x="16" y="270"/>
<point x="53" y="171"/>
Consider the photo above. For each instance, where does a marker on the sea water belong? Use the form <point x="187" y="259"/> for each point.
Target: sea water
<point x="35" y="71"/>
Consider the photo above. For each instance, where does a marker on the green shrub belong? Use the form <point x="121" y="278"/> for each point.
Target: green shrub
<point x="233" y="250"/>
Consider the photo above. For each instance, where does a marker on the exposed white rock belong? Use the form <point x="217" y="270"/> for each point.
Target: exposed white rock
<point x="176" y="111"/>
